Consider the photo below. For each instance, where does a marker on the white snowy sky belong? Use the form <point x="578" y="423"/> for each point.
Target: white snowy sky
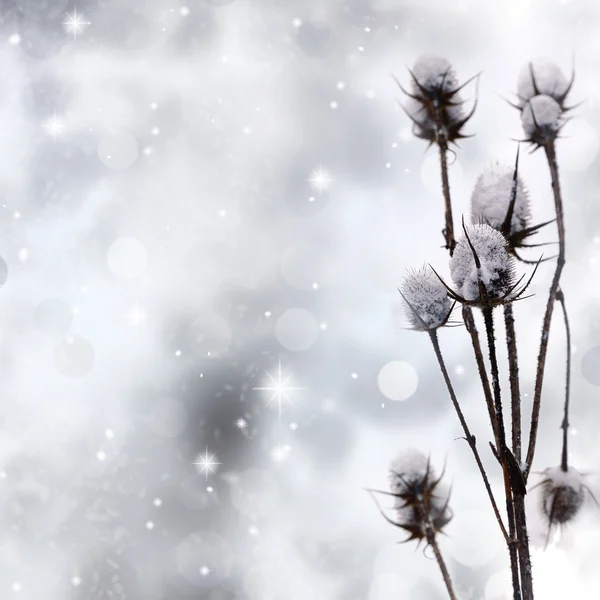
<point x="165" y="250"/>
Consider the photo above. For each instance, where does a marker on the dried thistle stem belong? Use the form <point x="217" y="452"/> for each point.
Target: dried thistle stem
<point x="560" y="262"/>
<point x="565" y="423"/>
<point x="432" y="541"/>
<point x="449" y="229"/>
<point x="485" y="382"/>
<point x="518" y="498"/>
<point x="470" y="438"/>
<point x="502" y="451"/>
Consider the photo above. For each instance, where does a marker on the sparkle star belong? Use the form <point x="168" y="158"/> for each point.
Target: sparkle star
<point x="137" y="316"/>
<point x="54" y="126"/>
<point x="320" y="179"/>
<point x="74" y="23"/>
<point x="279" y="388"/>
<point x="204" y="570"/>
<point x="206" y="464"/>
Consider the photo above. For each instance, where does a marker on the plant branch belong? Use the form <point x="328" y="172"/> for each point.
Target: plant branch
<point x="431" y="538"/>
<point x="449" y="228"/>
<point x="518" y="497"/>
<point x="565" y="424"/>
<point x="468" y="435"/>
<point x="560" y="262"/>
<point x="503" y="451"/>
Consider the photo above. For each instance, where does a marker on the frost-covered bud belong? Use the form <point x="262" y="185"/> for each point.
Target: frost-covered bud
<point x="541" y="119"/>
<point x="542" y="76"/>
<point x="434" y="103"/>
<point x="427" y="304"/>
<point x="563" y="495"/>
<point x="491" y="198"/>
<point x="434" y="76"/>
<point x="495" y="273"/>
<point x="420" y="501"/>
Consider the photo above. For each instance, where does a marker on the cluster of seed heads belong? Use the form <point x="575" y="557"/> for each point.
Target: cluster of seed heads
<point x="542" y="90"/>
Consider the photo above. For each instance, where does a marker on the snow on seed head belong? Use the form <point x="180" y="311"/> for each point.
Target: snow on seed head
<point x="496" y="271"/>
<point x="541" y="76"/>
<point x="563" y="494"/>
<point x="491" y="198"/>
<point x="435" y="74"/>
<point x="426" y="300"/>
<point x="541" y="119"/>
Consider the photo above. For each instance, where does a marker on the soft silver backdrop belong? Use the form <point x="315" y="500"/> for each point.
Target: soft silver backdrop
<point x="165" y="250"/>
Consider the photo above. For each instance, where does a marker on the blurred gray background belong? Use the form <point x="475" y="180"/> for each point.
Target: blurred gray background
<point x="195" y="193"/>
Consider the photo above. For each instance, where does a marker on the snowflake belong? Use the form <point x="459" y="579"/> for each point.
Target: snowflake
<point x="206" y="464"/>
<point x="241" y="424"/>
<point x="74" y="23"/>
<point x="280" y="388"/>
<point x="204" y="570"/>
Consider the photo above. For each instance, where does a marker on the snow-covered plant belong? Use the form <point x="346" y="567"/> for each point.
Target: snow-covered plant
<point x="542" y="76"/>
<point x="542" y="118"/>
<point x="427" y="303"/>
<point x="491" y="198"/>
<point x="482" y="269"/>
<point x="436" y="109"/>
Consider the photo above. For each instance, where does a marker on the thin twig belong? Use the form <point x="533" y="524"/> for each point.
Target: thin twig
<point x="503" y="451"/>
<point x="432" y="540"/>
<point x="449" y="229"/>
<point x="560" y="262"/>
<point x="468" y="435"/>
<point x="518" y="497"/>
<point x="565" y="423"/>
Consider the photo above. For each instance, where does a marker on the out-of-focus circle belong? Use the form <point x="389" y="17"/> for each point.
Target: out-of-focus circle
<point x="53" y="316"/>
<point x="127" y="258"/>
<point x="118" y="151"/>
<point x="397" y="380"/>
<point x="590" y="365"/>
<point x="167" y="417"/>
<point x="297" y="329"/>
<point x="3" y="271"/>
<point x="74" y="357"/>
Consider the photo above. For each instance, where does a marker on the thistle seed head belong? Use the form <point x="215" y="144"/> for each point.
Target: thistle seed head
<point x="426" y="300"/>
<point x="491" y="197"/>
<point x="563" y="495"/>
<point x="420" y="502"/>
<point x="434" y="103"/>
<point x="481" y="267"/>
<point x="434" y="76"/>
<point x="542" y="119"/>
<point x="542" y="76"/>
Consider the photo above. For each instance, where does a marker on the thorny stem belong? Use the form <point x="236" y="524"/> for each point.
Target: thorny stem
<point x="431" y="538"/>
<point x="449" y="229"/>
<point x="468" y="435"/>
<point x="513" y="369"/>
<point x="485" y="382"/>
<point x="565" y="424"/>
<point x="518" y="498"/>
<point x="560" y="262"/>
<point x="503" y="451"/>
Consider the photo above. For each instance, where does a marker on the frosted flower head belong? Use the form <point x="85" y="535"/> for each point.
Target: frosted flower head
<point x="482" y="269"/>
<point x="420" y="500"/>
<point x="542" y="76"/>
<point x="426" y="299"/>
<point x="434" y="104"/>
<point x="542" y="119"/>
<point x="563" y="495"/>
<point x="491" y="199"/>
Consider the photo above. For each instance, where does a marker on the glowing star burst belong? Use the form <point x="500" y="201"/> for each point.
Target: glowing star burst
<point x="204" y="570"/>
<point x="241" y="424"/>
<point x="279" y="388"/>
<point x="137" y="316"/>
<point x="320" y="179"/>
<point x="54" y="126"/>
<point x="74" y="23"/>
<point x="206" y="464"/>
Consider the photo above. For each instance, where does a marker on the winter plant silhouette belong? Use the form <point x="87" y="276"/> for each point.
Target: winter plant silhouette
<point x="484" y="278"/>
